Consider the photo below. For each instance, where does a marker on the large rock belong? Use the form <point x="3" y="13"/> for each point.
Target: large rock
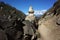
<point x="49" y="24"/>
<point x="11" y="21"/>
<point x="28" y="28"/>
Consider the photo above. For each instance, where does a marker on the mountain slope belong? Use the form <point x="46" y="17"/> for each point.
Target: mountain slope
<point x="49" y="23"/>
<point x="11" y="26"/>
<point x="6" y="9"/>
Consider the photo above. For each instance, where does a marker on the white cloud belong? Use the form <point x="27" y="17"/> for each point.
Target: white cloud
<point x="39" y="12"/>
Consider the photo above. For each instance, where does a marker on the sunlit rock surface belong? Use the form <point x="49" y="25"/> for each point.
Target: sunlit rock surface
<point x="49" y="23"/>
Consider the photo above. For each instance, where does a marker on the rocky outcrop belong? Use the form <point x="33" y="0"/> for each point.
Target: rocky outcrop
<point x="28" y="28"/>
<point x="49" y="23"/>
<point x="11" y="22"/>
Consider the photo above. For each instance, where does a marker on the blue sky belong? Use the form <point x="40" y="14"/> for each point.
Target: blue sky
<point x="23" y="5"/>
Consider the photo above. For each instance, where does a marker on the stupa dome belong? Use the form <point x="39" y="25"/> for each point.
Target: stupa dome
<point x="31" y="9"/>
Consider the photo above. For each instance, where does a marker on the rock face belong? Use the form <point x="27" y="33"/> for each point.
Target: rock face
<point x="28" y="28"/>
<point x="11" y="22"/>
<point x="49" y="24"/>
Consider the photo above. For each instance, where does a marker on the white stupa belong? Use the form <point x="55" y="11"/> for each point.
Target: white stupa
<point x="30" y="16"/>
<point x="31" y="10"/>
